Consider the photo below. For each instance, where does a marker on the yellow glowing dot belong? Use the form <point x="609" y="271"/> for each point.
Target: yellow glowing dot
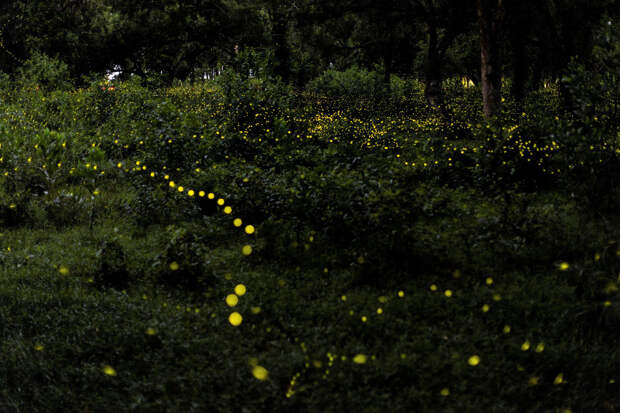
<point x="180" y="189"/>
<point x="497" y="297"/>
<point x="172" y="184"/>
<point x="120" y="165"/>
<point x="227" y="210"/>
<point x="379" y="310"/>
<point x="360" y="359"/>
<point x="473" y="360"/>
<point x="235" y="319"/>
<point x="607" y="303"/>
<point x="240" y="289"/>
<point x="109" y="370"/>
<point x="364" y="319"/>
<point x="237" y="222"/>
<point x="174" y="265"/>
<point x="201" y="194"/>
<point x="190" y="192"/>
<point x="433" y="287"/>
<point x="401" y="294"/>
<point x="525" y="346"/>
<point x="63" y="270"/>
<point x="211" y="195"/>
<point x="540" y="347"/>
<point x="220" y="201"/>
<point x="255" y="310"/>
<point x="448" y="293"/>
<point x="246" y="250"/>
<point x="249" y="229"/>
<point x="166" y="177"/>
<point x="559" y="379"/>
<point x="232" y="300"/>
<point x="150" y="331"/>
<point x="343" y="298"/>
<point x="38" y="347"/>
<point x="489" y="280"/>
<point x="485" y="308"/>
<point x="260" y="373"/>
<point x="563" y="266"/>
<point x="445" y="392"/>
<point x="507" y="329"/>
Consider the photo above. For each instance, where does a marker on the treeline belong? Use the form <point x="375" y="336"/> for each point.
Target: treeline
<point x="526" y="41"/>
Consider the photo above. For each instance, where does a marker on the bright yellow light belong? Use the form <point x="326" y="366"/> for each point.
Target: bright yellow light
<point x="174" y="265"/>
<point x="246" y="250"/>
<point x="109" y="370"/>
<point x="473" y="360"/>
<point x="235" y="319"/>
<point x="249" y="229"/>
<point x="237" y="222"/>
<point x="240" y="289"/>
<point x="360" y="359"/>
<point x="260" y="373"/>
<point x="227" y="210"/>
<point x="232" y="300"/>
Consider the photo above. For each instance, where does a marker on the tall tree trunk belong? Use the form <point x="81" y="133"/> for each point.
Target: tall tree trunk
<point x="490" y="19"/>
<point x="282" y="64"/>
<point x="387" y="67"/>
<point x="432" y="70"/>
<point x="519" y="65"/>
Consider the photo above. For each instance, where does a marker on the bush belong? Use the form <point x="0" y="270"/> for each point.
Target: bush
<point x="45" y="72"/>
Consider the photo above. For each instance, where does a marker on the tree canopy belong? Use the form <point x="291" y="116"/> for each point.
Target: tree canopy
<point x="526" y="41"/>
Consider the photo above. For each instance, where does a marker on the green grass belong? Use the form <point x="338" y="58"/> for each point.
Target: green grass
<point x="478" y="282"/>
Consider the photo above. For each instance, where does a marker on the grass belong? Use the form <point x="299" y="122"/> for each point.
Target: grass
<point x="371" y="285"/>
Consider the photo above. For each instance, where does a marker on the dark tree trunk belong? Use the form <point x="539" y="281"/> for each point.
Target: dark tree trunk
<point x="388" y="60"/>
<point x="519" y="66"/>
<point x="490" y="19"/>
<point x="432" y="70"/>
<point x="282" y="64"/>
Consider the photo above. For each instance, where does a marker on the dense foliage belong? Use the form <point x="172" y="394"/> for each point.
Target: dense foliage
<point x="234" y="245"/>
<point x="309" y="205"/>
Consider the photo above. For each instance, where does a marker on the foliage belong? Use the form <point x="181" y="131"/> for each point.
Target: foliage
<point x="399" y="257"/>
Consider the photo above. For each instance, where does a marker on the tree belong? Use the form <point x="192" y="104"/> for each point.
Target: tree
<point x="490" y="20"/>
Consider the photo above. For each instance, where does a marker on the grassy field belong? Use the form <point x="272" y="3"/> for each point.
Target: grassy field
<point x="235" y="246"/>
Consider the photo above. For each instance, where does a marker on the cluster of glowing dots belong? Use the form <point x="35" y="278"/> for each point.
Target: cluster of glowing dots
<point x="235" y="319"/>
<point x="232" y="300"/>
<point x="227" y="209"/>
